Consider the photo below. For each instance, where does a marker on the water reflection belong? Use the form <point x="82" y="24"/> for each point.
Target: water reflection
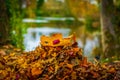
<point x="32" y="38"/>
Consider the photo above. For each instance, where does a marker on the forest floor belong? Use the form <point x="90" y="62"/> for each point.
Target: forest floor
<point x="7" y="49"/>
<point x="54" y="61"/>
<point x="16" y="64"/>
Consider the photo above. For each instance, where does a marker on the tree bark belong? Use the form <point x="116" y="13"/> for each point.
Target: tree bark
<point x="110" y="29"/>
<point x="4" y="23"/>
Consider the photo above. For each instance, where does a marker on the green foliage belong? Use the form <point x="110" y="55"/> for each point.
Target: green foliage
<point x="111" y="59"/>
<point x="69" y="22"/>
<point x="89" y="24"/>
<point x="17" y="27"/>
<point x="39" y="12"/>
<point x="117" y="3"/>
<point x="39" y="3"/>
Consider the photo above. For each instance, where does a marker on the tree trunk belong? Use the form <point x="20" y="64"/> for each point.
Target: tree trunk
<point x="4" y="23"/>
<point x="110" y="29"/>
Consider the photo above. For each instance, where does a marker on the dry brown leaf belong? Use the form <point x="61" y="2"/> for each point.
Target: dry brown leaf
<point x="112" y="70"/>
<point x="50" y="69"/>
<point x="69" y="66"/>
<point x="84" y="62"/>
<point x="36" y="71"/>
<point x="74" y="76"/>
<point x="95" y="74"/>
<point x="43" y="55"/>
<point x="2" y="52"/>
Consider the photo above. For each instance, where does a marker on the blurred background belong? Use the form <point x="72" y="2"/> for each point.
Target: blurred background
<point x="29" y="19"/>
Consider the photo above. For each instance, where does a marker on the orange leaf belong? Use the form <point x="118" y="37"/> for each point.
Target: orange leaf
<point x="76" y="49"/>
<point x="36" y="71"/>
<point x="84" y="62"/>
<point x="95" y="74"/>
<point x="112" y="70"/>
<point x="43" y="55"/>
<point x="50" y="69"/>
<point x="70" y="66"/>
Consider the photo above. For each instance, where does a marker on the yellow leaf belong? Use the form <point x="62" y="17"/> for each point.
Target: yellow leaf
<point x="73" y="75"/>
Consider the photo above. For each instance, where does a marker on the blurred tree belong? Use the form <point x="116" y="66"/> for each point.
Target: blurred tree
<point x="4" y="23"/>
<point x="15" y="11"/>
<point x="110" y="21"/>
<point x="30" y="9"/>
<point x="38" y="8"/>
<point x="89" y="13"/>
<point x="55" y="8"/>
<point x="117" y="3"/>
<point x="11" y="22"/>
<point x="83" y="8"/>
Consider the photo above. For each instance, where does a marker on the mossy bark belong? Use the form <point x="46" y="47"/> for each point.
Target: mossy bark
<point x="110" y="29"/>
<point x="4" y="23"/>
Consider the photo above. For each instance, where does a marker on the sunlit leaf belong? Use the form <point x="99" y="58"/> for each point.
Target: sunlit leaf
<point x="36" y="71"/>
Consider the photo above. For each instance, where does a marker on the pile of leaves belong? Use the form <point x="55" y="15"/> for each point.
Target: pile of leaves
<point x="56" y="59"/>
<point x="7" y="49"/>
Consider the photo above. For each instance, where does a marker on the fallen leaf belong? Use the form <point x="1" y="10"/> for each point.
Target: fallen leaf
<point x="36" y="71"/>
<point x="112" y="70"/>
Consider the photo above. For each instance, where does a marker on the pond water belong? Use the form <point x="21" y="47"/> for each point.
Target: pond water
<point x="32" y="37"/>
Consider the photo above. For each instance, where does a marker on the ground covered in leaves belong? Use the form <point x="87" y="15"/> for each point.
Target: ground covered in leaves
<point x="59" y="60"/>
